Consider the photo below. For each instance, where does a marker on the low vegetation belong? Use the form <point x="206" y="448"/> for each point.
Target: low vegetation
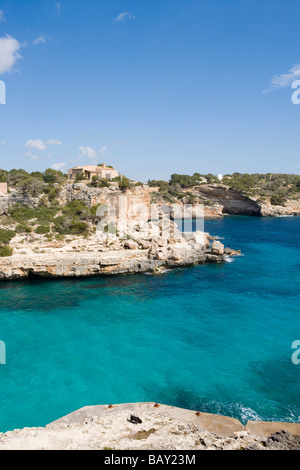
<point x="275" y="187"/>
<point x="5" y="238"/>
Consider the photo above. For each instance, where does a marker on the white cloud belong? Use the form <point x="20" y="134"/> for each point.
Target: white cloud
<point x="40" y="39"/>
<point x="284" y="80"/>
<point x="2" y="18"/>
<point x="121" y="17"/>
<point x="39" y="144"/>
<point x="33" y="156"/>
<point x="29" y="154"/>
<point x="58" y="166"/>
<point x="9" y="54"/>
<point x="87" y="152"/>
<point x="35" y="144"/>
<point x="3" y="142"/>
<point x="104" y="152"/>
<point x="54" y="142"/>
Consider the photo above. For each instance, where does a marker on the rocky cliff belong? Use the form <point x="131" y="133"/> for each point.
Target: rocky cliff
<point x="235" y="202"/>
<point x="159" y="427"/>
<point x="78" y="257"/>
<point x="217" y="199"/>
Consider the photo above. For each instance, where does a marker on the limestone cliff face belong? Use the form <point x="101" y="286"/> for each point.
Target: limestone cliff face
<point x="111" y="262"/>
<point x="232" y="201"/>
<point x="17" y="197"/>
<point x="221" y="200"/>
<point x="138" y="201"/>
<point x="291" y="208"/>
<point x="235" y="202"/>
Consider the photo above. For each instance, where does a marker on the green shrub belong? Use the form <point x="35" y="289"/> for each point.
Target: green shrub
<point x="124" y="183"/>
<point x="277" y="200"/>
<point x="22" y="213"/>
<point x="52" y="192"/>
<point x="32" y="186"/>
<point x="54" y="176"/>
<point x="76" y="208"/>
<point x="45" y="214"/>
<point x="104" y="184"/>
<point x="23" y="228"/>
<point x="6" y="250"/>
<point x="6" y="236"/>
<point x="42" y="214"/>
<point x="162" y="185"/>
<point x="70" y="225"/>
<point x="42" y="229"/>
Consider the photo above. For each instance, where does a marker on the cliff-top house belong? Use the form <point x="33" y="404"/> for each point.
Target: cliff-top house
<point x="87" y="172"/>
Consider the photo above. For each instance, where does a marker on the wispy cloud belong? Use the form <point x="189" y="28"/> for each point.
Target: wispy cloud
<point x="3" y="142"/>
<point x="103" y="152"/>
<point x="284" y="80"/>
<point x="2" y="17"/>
<point x="92" y="154"/>
<point x="58" y="166"/>
<point x="35" y="144"/>
<point x="40" y="145"/>
<point x="122" y="16"/>
<point x="9" y="53"/>
<point x="32" y="156"/>
<point x="54" y="142"/>
<point x="88" y="152"/>
<point x="39" y="40"/>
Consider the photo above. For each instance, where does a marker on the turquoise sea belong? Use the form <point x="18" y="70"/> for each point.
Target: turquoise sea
<point x="215" y="338"/>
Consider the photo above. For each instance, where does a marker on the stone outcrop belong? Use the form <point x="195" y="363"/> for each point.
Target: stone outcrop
<point x="232" y="201"/>
<point x="217" y="248"/>
<point x="14" y="197"/>
<point x="291" y="208"/>
<point x="138" y="246"/>
<point x="129" y="259"/>
<point x="154" y="427"/>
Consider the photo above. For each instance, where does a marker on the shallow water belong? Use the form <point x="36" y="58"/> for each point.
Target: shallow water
<point x="215" y="338"/>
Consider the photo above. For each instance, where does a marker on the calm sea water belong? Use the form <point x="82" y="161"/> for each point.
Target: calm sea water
<point x="213" y="338"/>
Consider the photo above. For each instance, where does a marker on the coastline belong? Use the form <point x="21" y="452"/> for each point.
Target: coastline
<point x="160" y="427"/>
<point x="112" y="262"/>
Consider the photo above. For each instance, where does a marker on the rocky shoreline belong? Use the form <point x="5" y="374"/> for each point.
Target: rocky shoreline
<point x="97" y="259"/>
<point x="158" y="427"/>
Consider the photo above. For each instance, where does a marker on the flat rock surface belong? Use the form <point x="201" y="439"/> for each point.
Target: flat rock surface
<point x="144" y="426"/>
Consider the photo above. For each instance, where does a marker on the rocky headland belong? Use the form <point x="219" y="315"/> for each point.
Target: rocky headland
<point x="115" y="242"/>
<point x="80" y="257"/>
<point x="54" y="232"/>
<point x="158" y="427"/>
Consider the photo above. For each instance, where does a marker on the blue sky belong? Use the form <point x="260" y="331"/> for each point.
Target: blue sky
<point x="152" y="87"/>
